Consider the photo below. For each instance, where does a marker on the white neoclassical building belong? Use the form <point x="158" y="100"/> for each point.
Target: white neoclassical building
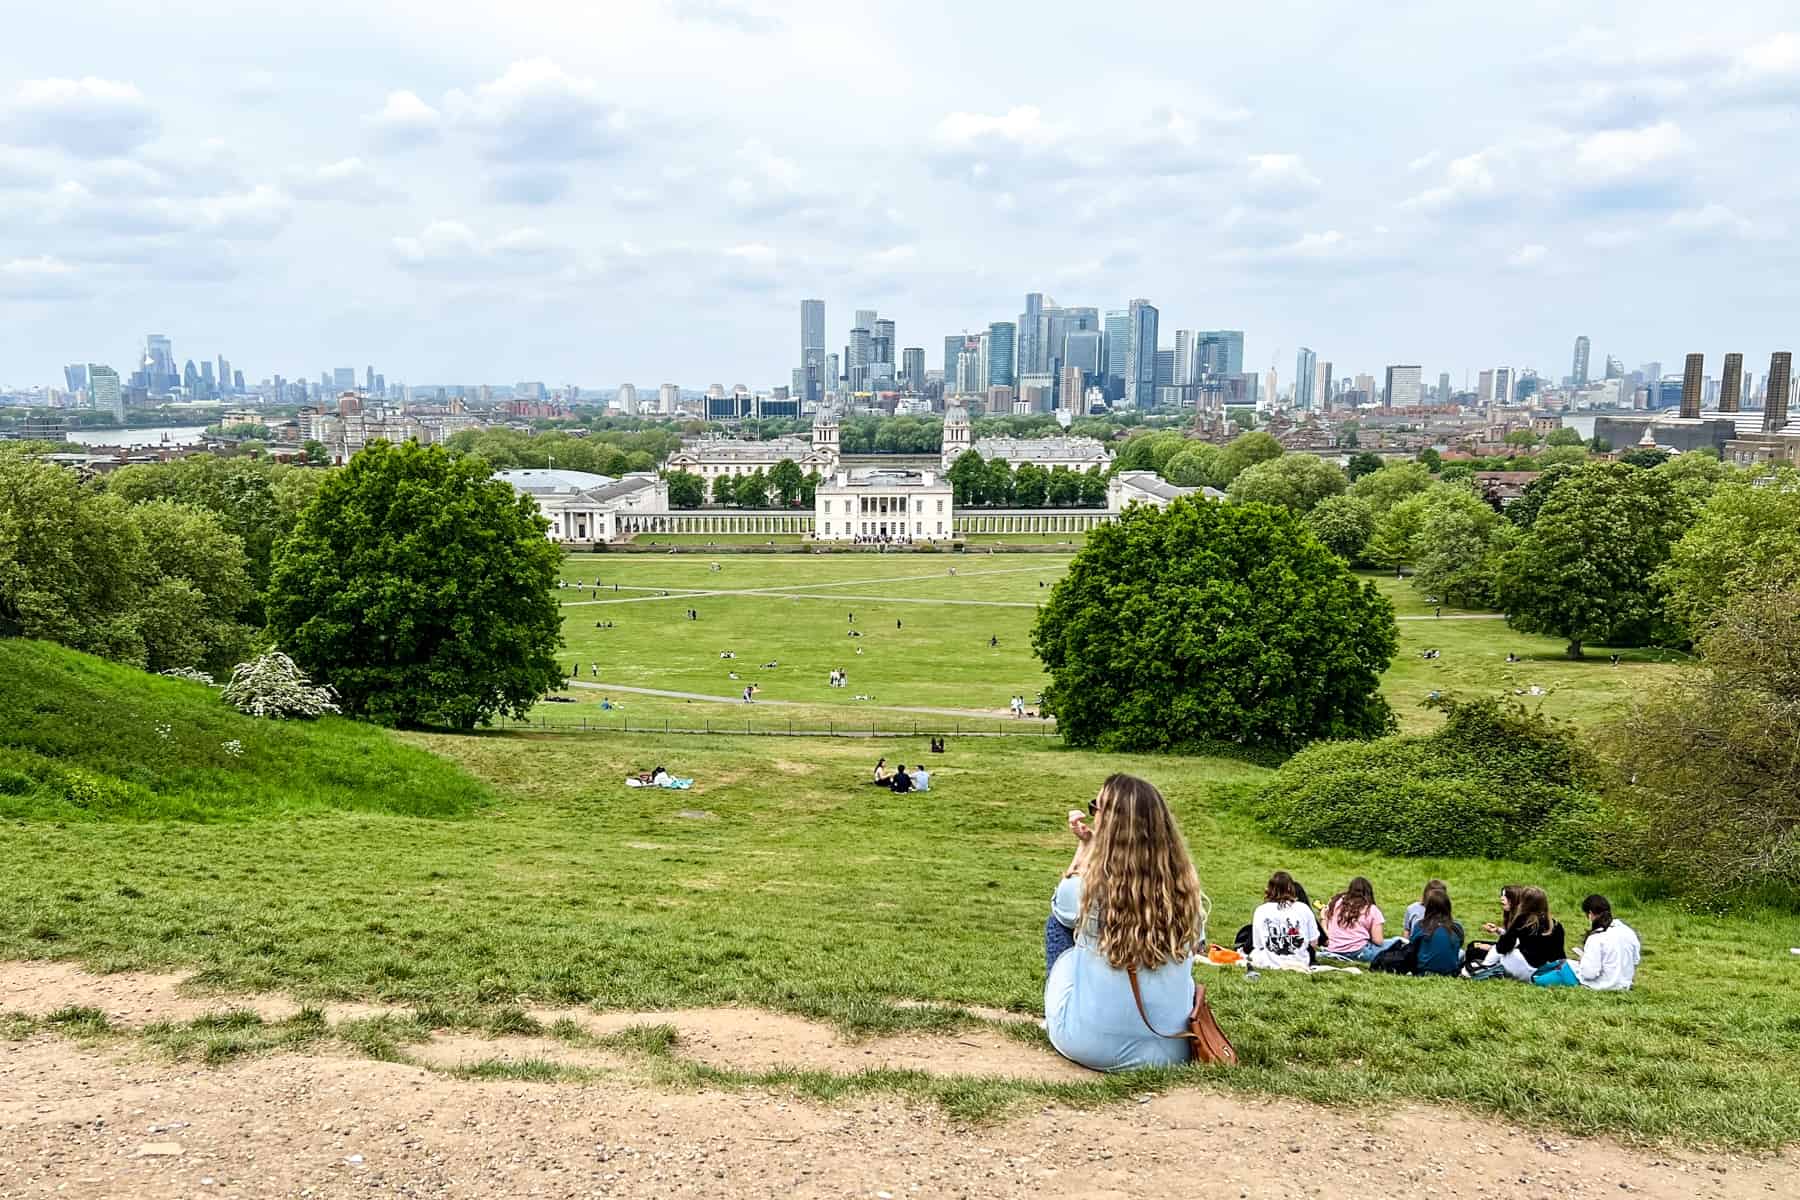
<point x="1074" y="453"/>
<point x="884" y="504"/>
<point x="710" y="457"/>
<point x="584" y="508"/>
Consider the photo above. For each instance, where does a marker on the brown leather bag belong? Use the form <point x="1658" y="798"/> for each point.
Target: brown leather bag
<point x="1205" y="1039"/>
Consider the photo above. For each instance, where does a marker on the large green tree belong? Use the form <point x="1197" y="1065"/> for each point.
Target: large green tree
<point x="724" y="489"/>
<point x="1363" y="462"/>
<point x="1243" y="452"/>
<point x="1457" y="546"/>
<point x="1344" y="524"/>
<point x="787" y="482"/>
<point x="1296" y="482"/>
<point x="968" y="478"/>
<point x="1391" y="484"/>
<point x="1196" y="466"/>
<point x="1746" y="538"/>
<point x="195" y="582"/>
<point x="421" y="590"/>
<point x="686" y="490"/>
<point x="1585" y="571"/>
<point x="1205" y="622"/>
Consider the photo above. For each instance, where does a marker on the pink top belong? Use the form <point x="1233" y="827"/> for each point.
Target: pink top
<point x="1348" y="939"/>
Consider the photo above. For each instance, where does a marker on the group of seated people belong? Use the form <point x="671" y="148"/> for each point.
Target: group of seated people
<point x="900" y="780"/>
<point x="1529" y="943"/>
<point x="1128" y="920"/>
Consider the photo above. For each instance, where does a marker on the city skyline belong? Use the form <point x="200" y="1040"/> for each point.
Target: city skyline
<point x="482" y="196"/>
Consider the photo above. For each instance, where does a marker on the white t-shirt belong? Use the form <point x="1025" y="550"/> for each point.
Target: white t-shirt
<point x="1284" y="929"/>
<point x="1609" y="959"/>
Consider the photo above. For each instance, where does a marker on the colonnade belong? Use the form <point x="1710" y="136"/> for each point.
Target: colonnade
<point x="1032" y="521"/>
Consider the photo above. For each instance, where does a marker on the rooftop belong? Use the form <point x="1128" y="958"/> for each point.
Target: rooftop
<point x="1085" y="449"/>
<point x="538" y="481"/>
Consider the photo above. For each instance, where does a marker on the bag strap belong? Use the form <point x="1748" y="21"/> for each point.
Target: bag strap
<point x="1138" y="995"/>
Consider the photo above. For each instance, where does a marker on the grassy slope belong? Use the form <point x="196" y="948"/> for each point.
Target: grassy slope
<point x="63" y="712"/>
<point x="782" y="881"/>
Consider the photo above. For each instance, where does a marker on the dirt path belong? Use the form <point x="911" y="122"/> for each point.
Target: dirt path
<point x="118" y="1121"/>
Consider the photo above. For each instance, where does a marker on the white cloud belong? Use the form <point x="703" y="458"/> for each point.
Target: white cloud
<point x="255" y="214"/>
<point x="1467" y="180"/>
<point x="41" y="278"/>
<point x="406" y="120"/>
<point x="1423" y="162"/>
<point x="1622" y="155"/>
<point x="538" y="112"/>
<point x="1280" y="179"/>
<point x="1314" y="246"/>
<point x="22" y="169"/>
<point x="1528" y="255"/>
<point x="87" y="117"/>
<point x="349" y="180"/>
<point x="739" y="18"/>
<point x="1713" y="222"/>
<point x="451" y="248"/>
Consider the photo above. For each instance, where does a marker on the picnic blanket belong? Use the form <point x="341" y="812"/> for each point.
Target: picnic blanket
<point x="667" y="781"/>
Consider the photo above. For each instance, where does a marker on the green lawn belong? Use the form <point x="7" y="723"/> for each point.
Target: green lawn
<point x="782" y="881"/>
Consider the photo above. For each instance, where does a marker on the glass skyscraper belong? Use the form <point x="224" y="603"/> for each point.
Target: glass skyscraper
<point x="1000" y="354"/>
<point x="1118" y="351"/>
<point x="1140" y="378"/>
<point x="1306" y="365"/>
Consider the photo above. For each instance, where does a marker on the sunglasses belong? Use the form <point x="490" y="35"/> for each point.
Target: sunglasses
<point x="1093" y="806"/>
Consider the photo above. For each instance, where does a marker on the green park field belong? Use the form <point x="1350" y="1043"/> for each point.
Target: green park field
<point x="782" y="881"/>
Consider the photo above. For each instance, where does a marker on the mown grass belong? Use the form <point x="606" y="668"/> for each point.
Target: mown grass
<point x="782" y="882"/>
<point x="82" y="740"/>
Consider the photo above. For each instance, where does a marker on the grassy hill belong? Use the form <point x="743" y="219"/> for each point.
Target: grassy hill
<point x="82" y="739"/>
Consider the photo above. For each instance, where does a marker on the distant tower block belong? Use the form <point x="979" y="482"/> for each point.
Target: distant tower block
<point x="1775" y="391"/>
<point x="1731" y="388"/>
<point x="1692" y="378"/>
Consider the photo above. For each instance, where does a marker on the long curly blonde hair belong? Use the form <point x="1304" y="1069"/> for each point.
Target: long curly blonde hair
<point x="1137" y="878"/>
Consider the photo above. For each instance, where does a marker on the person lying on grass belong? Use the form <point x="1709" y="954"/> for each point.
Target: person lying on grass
<point x="1129" y="905"/>
<point x="1354" y="925"/>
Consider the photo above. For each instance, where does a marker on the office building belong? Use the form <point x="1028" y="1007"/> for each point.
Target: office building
<point x="1444" y="393"/>
<point x="626" y="399"/>
<point x="1071" y="386"/>
<point x="813" y="383"/>
<point x="969" y="380"/>
<point x="1306" y="367"/>
<point x="104" y="390"/>
<point x="1218" y="352"/>
<point x="1578" y="372"/>
<point x="1165" y="368"/>
<point x="858" y="356"/>
<point x="668" y="399"/>
<point x="1322" y="399"/>
<point x="1140" y="382"/>
<point x="1405" y="385"/>
<point x="1030" y="337"/>
<point x="1731" y="387"/>
<point x="1504" y="382"/>
<point x="1775" y="391"/>
<point x="954" y="345"/>
<point x="1085" y="349"/>
<point x="1001" y="339"/>
<point x="912" y="369"/>
<point x="76" y="376"/>
<point x="1693" y="371"/>
<point x="1184" y="358"/>
<point x="1118" y="352"/>
<point x="881" y="346"/>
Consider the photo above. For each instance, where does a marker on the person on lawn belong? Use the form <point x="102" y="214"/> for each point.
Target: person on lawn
<point x="1354" y="925"/>
<point x="921" y="779"/>
<point x="901" y="782"/>
<point x="1415" y="912"/>
<point x="1437" y="940"/>
<point x="1132" y="900"/>
<point x="1283" y="930"/>
<point x="1607" y="960"/>
<point x="1509" y="903"/>
<point x="1532" y="939"/>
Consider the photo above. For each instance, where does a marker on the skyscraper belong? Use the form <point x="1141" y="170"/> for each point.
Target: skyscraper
<point x="225" y="384"/>
<point x="1184" y="358"/>
<point x="1775" y="391"/>
<point x="343" y="379"/>
<point x="1165" y="368"/>
<point x="1693" y="372"/>
<point x="1085" y="348"/>
<point x="1731" y="388"/>
<point x="104" y="391"/>
<point x="881" y="345"/>
<point x="1404" y="385"/>
<point x="1503" y="385"/>
<point x="76" y="376"/>
<point x="1030" y="335"/>
<point x="1322" y="400"/>
<point x="1140" y="382"/>
<point x="1306" y="365"/>
<point x="1118" y="351"/>
<point x="1578" y="373"/>
<point x="859" y="356"/>
<point x="668" y="398"/>
<point x="1443" y="396"/>
<point x="812" y="351"/>
<point x="912" y="368"/>
<point x="1001" y="349"/>
<point x="1219" y="352"/>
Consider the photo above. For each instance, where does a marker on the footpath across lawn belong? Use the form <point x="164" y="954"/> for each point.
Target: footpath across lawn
<point x="783" y="881"/>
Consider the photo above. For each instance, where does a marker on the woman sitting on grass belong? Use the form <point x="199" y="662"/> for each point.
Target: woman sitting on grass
<point x="1415" y="912"/>
<point x="1437" y="940"/>
<point x="1509" y="904"/>
<point x="1354" y="925"/>
<point x="1609" y="953"/>
<point x="1134" y="902"/>
<point x="1532" y="939"/>
<point x="1283" y="930"/>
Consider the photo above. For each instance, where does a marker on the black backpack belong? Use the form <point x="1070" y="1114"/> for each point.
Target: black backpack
<point x="1398" y="959"/>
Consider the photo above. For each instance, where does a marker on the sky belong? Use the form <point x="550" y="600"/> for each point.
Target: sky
<point x="590" y="193"/>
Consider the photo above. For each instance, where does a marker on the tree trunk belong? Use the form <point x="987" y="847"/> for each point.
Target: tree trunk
<point x="1574" y="650"/>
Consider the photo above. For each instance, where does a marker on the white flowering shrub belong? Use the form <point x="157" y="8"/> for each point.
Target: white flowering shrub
<point x="272" y="685"/>
<point x="191" y="675"/>
<point x="234" y="748"/>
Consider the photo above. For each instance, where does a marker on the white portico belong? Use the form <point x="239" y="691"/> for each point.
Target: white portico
<point x="883" y="505"/>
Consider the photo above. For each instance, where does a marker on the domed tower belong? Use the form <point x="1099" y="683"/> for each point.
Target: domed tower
<point x="958" y="435"/>
<point x="825" y="433"/>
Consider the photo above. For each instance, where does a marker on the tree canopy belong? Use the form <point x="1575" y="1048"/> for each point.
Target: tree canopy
<point x="1584" y="571"/>
<point x="1205" y="622"/>
<point x="1344" y="524"/>
<point x="1746" y="538"/>
<point x="421" y="589"/>
<point x="1296" y="482"/>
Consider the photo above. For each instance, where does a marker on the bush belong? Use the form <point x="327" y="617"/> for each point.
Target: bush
<point x="1497" y="781"/>
<point x="272" y="685"/>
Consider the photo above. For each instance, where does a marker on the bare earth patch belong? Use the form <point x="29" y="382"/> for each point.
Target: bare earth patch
<point x="133" y="998"/>
<point x="115" y="1121"/>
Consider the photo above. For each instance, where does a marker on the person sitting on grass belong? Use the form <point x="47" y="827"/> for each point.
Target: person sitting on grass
<point x="1283" y="930"/>
<point x="1532" y="939"/>
<point x="1437" y="940"/>
<point x="1415" y="912"/>
<point x="881" y="776"/>
<point x="1132" y="900"/>
<point x="1509" y="903"/>
<point x="1607" y="959"/>
<point x="901" y="782"/>
<point x="1354" y="925"/>
<point x="921" y="779"/>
